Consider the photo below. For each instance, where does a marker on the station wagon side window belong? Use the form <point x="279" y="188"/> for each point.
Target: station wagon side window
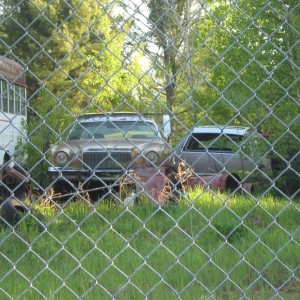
<point x="212" y="142"/>
<point x="194" y="144"/>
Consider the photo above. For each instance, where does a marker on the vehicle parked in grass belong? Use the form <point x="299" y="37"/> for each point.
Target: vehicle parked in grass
<point x="215" y="149"/>
<point x="101" y="148"/>
<point x="13" y="112"/>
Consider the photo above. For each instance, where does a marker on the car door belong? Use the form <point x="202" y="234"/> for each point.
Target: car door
<point x="235" y="158"/>
<point x="199" y="158"/>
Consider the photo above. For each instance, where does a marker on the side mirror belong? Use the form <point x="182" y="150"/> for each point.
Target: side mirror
<point x="166" y="126"/>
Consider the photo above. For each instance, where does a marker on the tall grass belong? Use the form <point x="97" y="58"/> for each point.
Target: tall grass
<point x="210" y="245"/>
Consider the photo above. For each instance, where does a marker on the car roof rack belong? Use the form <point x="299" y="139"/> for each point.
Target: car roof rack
<point x="220" y="129"/>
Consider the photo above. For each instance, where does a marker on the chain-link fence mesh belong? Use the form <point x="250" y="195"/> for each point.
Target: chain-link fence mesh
<point x="150" y="149"/>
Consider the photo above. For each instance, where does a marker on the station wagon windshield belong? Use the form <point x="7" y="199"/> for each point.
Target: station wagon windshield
<point x="115" y="129"/>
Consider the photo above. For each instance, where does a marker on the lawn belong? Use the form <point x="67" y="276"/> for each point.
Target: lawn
<point x="208" y="246"/>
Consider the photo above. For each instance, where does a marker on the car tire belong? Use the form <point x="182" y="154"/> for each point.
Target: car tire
<point x="11" y="211"/>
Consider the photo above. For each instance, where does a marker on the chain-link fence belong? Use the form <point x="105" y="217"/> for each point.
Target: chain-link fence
<point x="150" y="149"/>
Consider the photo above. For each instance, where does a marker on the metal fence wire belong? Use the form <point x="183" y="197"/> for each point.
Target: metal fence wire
<point x="150" y="149"/>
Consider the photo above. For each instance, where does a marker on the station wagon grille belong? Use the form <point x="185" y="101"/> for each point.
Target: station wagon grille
<point x="106" y="160"/>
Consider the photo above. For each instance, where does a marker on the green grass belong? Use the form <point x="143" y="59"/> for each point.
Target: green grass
<point x="208" y="246"/>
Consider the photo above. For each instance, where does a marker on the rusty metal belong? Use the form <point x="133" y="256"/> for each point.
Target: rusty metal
<point x="12" y="174"/>
<point x="12" y="71"/>
<point x="165" y="184"/>
<point x="151" y="181"/>
<point x="14" y="180"/>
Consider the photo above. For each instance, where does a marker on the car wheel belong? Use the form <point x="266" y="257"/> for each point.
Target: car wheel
<point x="12" y="210"/>
<point x="9" y="214"/>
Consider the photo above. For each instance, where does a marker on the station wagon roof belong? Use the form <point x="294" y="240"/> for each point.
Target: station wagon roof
<point x="218" y="129"/>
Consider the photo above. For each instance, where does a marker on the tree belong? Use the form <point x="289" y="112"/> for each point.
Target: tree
<point x="167" y="23"/>
<point x="73" y="51"/>
<point x="243" y="49"/>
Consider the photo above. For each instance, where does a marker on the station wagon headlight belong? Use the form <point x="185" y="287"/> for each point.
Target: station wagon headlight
<point x="152" y="157"/>
<point x="61" y="158"/>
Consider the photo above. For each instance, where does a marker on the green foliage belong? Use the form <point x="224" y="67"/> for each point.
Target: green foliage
<point x="242" y="51"/>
